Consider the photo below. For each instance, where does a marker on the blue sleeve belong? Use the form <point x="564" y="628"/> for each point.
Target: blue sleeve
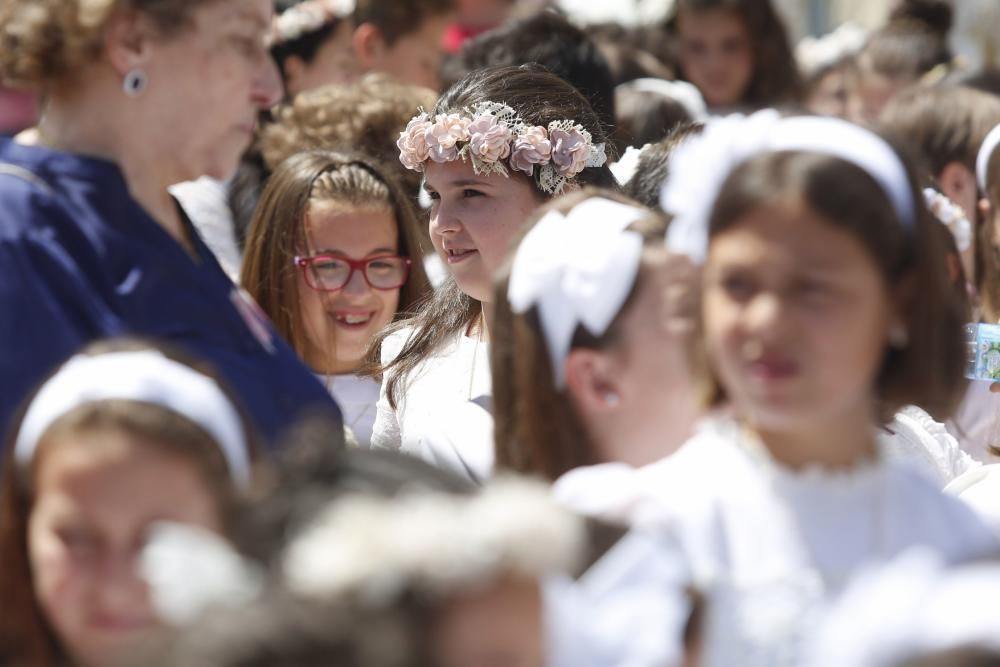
<point x="48" y="310"/>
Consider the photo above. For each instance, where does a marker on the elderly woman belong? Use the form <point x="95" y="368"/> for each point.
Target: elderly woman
<point x="139" y="95"/>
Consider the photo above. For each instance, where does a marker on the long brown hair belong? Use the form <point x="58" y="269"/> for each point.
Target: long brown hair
<point x="539" y="98"/>
<point x="775" y="77"/>
<point x="537" y="428"/>
<point x="277" y="233"/>
<point x="26" y="637"/>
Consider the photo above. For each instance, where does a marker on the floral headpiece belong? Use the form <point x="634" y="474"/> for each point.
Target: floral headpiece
<point x="495" y="138"/>
<point x="306" y="17"/>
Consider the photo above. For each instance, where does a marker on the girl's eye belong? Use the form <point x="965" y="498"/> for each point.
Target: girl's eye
<point x="433" y="195"/>
<point x="471" y="193"/>
<point x="328" y="265"/>
<point x="738" y="288"/>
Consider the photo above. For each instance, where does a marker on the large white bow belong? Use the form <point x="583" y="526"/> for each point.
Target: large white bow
<point x="700" y="166"/>
<point x="577" y="269"/>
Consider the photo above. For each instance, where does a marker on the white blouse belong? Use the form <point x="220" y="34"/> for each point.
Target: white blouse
<point x="358" y="399"/>
<point x="770" y="546"/>
<point x="444" y="412"/>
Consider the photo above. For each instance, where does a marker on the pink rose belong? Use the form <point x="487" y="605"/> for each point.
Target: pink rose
<point x="443" y="135"/>
<point x="489" y="141"/>
<point x="569" y="151"/>
<point x="531" y="148"/>
<point x="412" y="144"/>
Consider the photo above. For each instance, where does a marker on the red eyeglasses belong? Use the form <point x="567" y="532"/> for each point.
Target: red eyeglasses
<point x="329" y="273"/>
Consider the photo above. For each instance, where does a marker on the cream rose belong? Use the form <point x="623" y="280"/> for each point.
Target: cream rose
<point x="531" y="148"/>
<point x="489" y="141"/>
<point x="412" y="144"/>
<point x="570" y="151"/>
<point x="443" y="135"/>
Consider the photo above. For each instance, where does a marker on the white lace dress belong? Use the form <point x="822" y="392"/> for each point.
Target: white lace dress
<point x="770" y="546"/>
<point x="444" y="414"/>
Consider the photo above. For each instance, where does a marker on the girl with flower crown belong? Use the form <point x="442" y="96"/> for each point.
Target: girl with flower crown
<point x="498" y="144"/>
<point x="825" y="308"/>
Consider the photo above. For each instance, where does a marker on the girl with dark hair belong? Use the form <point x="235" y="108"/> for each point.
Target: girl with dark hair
<point x="497" y="145"/>
<point x="736" y="52"/>
<point x="589" y="363"/>
<point x="825" y="308"/>
<point x="332" y="258"/>
<point x="311" y="44"/>
<point x="121" y="436"/>
<point x="912" y="46"/>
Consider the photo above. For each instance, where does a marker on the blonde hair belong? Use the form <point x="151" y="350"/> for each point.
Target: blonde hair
<point x="44" y="40"/>
<point x="366" y="116"/>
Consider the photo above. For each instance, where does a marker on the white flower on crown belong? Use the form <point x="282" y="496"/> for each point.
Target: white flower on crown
<point x="434" y="543"/>
<point x="308" y="16"/>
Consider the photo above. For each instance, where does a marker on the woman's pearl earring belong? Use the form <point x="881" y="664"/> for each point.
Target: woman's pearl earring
<point x="135" y="82"/>
<point x="612" y="399"/>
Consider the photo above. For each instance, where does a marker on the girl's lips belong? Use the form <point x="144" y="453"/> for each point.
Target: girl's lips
<point x="459" y="256"/>
<point x="773" y="369"/>
<point x="353" y="321"/>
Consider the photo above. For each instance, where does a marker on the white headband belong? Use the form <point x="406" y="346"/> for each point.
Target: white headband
<point x="144" y="376"/>
<point x="986" y="151"/>
<point x="700" y="166"/>
<point x="578" y="269"/>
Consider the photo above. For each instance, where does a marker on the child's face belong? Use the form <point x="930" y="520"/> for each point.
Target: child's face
<point x="835" y="94"/>
<point x="340" y="325"/>
<point x="334" y="62"/>
<point x="796" y="318"/>
<point x="415" y="58"/>
<point x="96" y="494"/>
<point x="499" y="626"/>
<point x="716" y="55"/>
<point x="474" y="220"/>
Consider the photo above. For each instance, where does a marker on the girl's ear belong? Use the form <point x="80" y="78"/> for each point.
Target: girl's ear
<point x="899" y="317"/>
<point x="590" y="381"/>
<point x="368" y="45"/>
<point x="294" y="67"/>
<point x="127" y="40"/>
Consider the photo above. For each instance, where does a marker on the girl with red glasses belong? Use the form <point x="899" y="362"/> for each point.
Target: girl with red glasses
<point x="332" y="257"/>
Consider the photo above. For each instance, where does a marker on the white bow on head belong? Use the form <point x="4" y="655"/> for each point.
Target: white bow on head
<point x="701" y="165"/>
<point x="577" y="269"/>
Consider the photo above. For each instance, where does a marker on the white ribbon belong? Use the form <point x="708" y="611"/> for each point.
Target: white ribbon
<point x="144" y="376"/>
<point x="986" y="151"/>
<point x="577" y="269"/>
<point x="700" y="166"/>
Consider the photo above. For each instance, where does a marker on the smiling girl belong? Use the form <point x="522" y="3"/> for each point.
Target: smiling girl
<point x="330" y="258"/>
<point x="121" y="437"/>
<point x="498" y="144"/>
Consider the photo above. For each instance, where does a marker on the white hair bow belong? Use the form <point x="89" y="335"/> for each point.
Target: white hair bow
<point x="700" y="166"/>
<point x="577" y="269"/>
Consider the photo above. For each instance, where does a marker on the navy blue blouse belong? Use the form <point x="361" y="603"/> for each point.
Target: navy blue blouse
<point x="81" y="260"/>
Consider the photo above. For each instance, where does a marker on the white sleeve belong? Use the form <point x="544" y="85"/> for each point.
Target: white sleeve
<point x="386" y="433"/>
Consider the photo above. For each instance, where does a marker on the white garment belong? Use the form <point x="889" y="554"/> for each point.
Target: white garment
<point x="980" y="488"/>
<point x="443" y="414"/>
<point x="629" y="609"/>
<point x="769" y="546"/>
<point x="976" y="424"/>
<point x="358" y="398"/>
<point x="914" y="606"/>
<point x="915" y="439"/>
<point x="206" y="203"/>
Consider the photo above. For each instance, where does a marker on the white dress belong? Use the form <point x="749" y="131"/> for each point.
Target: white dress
<point x="205" y="203"/>
<point x="444" y="412"/>
<point x="770" y="546"/>
<point x="914" y="438"/>
<point x="358" y="400"/>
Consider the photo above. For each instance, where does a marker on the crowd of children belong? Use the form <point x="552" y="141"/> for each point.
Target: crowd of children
<point x="488" y="333"/>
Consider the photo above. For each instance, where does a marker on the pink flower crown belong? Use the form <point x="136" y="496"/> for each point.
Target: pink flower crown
<point x="494" y="137"/>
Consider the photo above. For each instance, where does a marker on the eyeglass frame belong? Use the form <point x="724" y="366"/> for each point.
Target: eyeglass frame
<point x="355" y="265"/>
